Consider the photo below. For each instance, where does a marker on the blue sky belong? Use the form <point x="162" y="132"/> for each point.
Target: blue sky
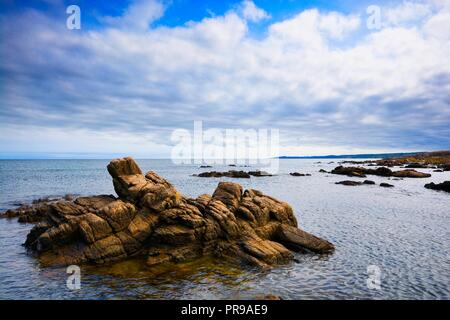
<point x="138" y="70"/>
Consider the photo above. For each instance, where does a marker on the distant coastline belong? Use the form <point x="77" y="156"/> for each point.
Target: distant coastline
<point x="355" y="156"/>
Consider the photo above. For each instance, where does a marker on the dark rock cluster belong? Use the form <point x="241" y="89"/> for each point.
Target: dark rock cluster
<point x="444" y="186"/>
<point x="381" y="171"/>
<point x="233" y="174"/>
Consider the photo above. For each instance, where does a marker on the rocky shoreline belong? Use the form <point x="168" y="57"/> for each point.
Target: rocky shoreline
<point x="439" y="161"/>
<point x="150" y="218"/>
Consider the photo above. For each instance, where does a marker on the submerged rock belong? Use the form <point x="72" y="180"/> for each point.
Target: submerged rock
<point x="355" y="183"/>
<point x="152" y="219"/>
<point x="444" y="186"/>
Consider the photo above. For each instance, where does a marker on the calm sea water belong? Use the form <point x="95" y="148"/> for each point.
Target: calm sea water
<point x="404" y="231"/>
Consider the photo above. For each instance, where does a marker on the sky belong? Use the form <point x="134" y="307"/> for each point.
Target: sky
<point x="333" y="77"/>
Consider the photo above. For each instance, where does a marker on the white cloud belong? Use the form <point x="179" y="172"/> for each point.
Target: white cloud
<point x="383" y="89"/>
<point x="337" y="25"/>
<point x="407" y="12"/>
<point x="139" y="16"/>
<point x="252" y="13"/>
<point x="438" y="26"/>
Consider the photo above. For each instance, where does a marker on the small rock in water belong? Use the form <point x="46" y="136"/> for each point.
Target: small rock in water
<point x="229" y="174"/>
<point x="259" y="174"/>
<point x="349" y="183"/>
<point x="298" y="174"/>
<point x="382" y="171"/>
<point x="386" y="185"/>
<point x="368" y="182"/>
<point x="444" y="186"/>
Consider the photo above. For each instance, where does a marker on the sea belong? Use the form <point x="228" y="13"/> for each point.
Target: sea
<point x="391" y="243"/>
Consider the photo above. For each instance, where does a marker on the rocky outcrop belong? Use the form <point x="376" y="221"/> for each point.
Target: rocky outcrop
<point x="381" y="171"/>
<point x="151" y="218"/>
<point x="444" y="186"/>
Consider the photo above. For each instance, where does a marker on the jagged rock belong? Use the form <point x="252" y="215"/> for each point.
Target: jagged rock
<point x="152" y="219"/>
<point x="444" y="186"/>
<point x="386" y="185"/>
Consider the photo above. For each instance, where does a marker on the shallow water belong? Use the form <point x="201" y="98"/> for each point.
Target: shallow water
<point x="404" y="231"/>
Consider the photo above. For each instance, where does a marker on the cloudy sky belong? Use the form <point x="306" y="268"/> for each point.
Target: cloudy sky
<point x="333" y="78"/>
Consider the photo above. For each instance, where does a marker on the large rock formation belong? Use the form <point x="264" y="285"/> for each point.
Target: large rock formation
<point x="151" y="218"/>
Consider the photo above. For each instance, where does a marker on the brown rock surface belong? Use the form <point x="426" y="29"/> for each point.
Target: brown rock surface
<point x="151" y="218"/>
